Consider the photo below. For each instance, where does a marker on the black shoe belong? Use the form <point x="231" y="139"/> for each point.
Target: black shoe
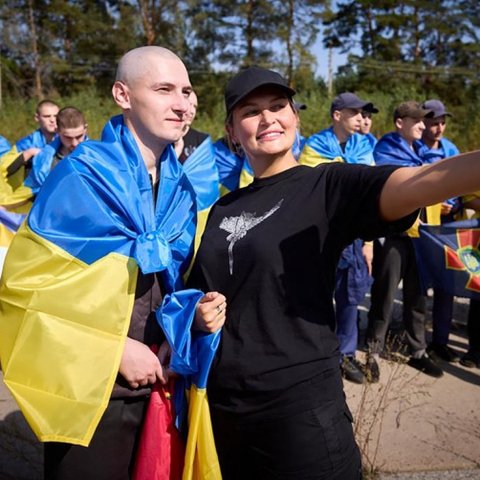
<point x="426" y="365"/>
<point x="352" y="370"/>
<point x="443" y="352"/>
<point x="471" y="359"/>
<point x="371" y="370"/>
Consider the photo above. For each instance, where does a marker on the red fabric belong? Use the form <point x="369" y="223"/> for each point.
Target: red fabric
<point x="161" y="452"/>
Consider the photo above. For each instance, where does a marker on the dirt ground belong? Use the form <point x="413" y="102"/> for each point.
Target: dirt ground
<point x="408" y="422"/>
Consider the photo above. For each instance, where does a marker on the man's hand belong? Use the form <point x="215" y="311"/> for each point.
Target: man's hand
<point x="446" y="208"/>
<point x="210" y="314"/>
<point x="29" y="153"/>
<point x="140" y="366"/>
<point x="367" y="251"/>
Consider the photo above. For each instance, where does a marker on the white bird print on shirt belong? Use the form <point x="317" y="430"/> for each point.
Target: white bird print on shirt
<point x="239" y="226"/>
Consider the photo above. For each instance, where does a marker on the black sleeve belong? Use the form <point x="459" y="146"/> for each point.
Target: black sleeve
<point x="353" y="201"/>
<point x="18" y="163"/>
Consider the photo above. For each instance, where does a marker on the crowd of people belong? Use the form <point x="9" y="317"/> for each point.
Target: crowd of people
<point x="270" y="238"/>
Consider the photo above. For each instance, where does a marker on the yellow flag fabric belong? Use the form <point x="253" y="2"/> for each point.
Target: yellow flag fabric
<point x="41" y="332"/>
<point x="312" y="158"/>
<point x="201" y="461"/>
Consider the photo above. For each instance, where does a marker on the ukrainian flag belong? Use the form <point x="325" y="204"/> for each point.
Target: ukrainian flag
<point x="202" y="172"/>
<point x="324" y="147"/>
<point x="192" y="356"/>
<point x="234" y="170"/>
<point x="67" y="290"/>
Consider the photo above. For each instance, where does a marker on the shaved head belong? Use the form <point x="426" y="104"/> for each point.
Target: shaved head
<point x="138" y="62"/>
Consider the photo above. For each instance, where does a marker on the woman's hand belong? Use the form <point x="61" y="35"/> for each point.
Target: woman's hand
<point x="210" y="313"/>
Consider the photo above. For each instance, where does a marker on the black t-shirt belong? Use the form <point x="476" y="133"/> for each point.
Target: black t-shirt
<point x="272" y="249"/>
<point x="191" y="141"/>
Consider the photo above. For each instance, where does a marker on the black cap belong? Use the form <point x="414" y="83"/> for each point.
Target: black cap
<point x="350" y="100"/>
<point x="248" y="80"/>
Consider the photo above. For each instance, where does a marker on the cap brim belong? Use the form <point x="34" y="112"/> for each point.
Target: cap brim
<point x="289" y="91"/>
<point x="368" y="107"/>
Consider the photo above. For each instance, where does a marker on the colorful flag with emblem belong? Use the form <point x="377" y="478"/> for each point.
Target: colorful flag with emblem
<point x="448" y="257"/>
<point x="68" y="285"/>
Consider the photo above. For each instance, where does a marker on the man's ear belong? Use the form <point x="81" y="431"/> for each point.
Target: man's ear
<point x="121" y="95"/>
<point x="336" y="115"/>
<point x="36" y="117"/>
<point x="399" y="123"/>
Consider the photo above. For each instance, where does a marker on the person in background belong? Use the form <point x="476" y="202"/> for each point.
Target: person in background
<point x="395" y="260"/>
<point x="366" y="126"/>
<point x="342" y="142"/>
<point x="433" y="146"/>
<point x="28" y="146"/>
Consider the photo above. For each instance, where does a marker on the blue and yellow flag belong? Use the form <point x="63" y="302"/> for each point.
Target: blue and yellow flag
<point x="202" y="172"/>
<point x="68" y="284"/>
<point x="448" y="257"/>
<point x="9" y="224"/>
<point x="192" y="356"/>
<point x="324" y="147"/>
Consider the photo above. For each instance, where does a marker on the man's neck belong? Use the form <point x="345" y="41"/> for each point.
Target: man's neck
<point x="340" y="133"/>
<point x="432" y="144"/>
<point x="48" y="136"/>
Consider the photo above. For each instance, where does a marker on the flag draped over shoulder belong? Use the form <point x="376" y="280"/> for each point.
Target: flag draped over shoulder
<point x="4" y="145"/>
<point x="324" y="147"/>
<point x="393" y="149"/>
<point x="9" y="224"/>
<point x="202" y="172"/>
<point x="448" y="257"/>
<point x="69" y="279"/>
<point x="192" y="356"/>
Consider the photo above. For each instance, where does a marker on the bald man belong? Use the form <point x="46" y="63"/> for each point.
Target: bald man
<point x="110" y="234"/>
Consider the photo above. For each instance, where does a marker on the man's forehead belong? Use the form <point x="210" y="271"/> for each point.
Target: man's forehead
<point x="46" y="110"/>
<point x="169" y="71"/>
<point x="72" y="132"/>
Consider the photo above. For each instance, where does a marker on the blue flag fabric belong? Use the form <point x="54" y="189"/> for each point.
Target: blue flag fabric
<point x="448" y="257"/>
<point x="159" y="240"/>
<point x="35" y="139"/>
<point x="202" y="172"/>
<point x="229" y="165"/>
<point x="4" y="145"/>
<point x="357" y="148"/>
<point x="432" y="155"/>
<point x="42" y="165"/>
<point x="393" y="149"/>
<point x="11" y="220"/>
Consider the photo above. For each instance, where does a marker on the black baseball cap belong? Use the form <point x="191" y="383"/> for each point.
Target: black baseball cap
<point x="248" y="80"/>
<point x="350" y="100"/>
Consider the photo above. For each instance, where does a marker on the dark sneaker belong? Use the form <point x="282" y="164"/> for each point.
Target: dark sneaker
<point x="443" y="352"/>
<point x="471" y="359"/>
<point x="371" y="370"/>
<point x="352" y="370"/>
<point x="426" y="365"/>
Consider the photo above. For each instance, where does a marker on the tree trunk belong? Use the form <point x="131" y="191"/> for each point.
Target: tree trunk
<point x="38" y="90"/>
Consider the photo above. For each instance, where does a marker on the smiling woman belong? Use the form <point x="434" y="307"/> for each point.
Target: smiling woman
<point x="275" y="390"/>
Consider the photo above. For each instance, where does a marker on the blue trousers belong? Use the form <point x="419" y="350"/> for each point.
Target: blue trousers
<point x="346" y="314"/>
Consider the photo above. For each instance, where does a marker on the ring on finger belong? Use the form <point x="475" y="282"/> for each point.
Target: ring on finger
<point x="219" y="309"/>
